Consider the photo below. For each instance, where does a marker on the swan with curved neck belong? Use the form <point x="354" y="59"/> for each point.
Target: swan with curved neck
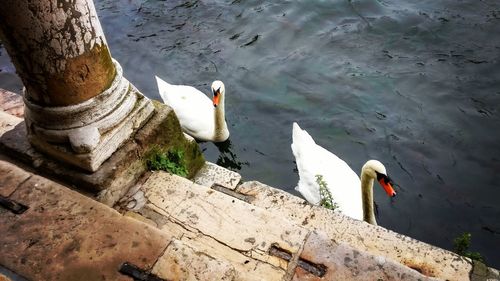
<point x="200" y="117"/>
<point x="354" y="197"/>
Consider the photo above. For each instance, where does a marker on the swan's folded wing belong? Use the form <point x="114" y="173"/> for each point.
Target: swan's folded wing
<point x="302" y="148"/>
<point x="342" y="182"/>
<point x="193" y="108"/>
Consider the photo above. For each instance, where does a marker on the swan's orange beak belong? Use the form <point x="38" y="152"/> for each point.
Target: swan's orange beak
<point x="216" y="98"/>
<point x="385" y="182"/>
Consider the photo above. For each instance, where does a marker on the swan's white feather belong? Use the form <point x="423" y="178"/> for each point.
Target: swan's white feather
<point x="343" y="183"/>
<point x="193" y="108"/>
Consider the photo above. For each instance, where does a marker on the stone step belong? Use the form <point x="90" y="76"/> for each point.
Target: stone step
<point x="64" y="235"/>
<point x="224" y="226"/>
<point x="203" y="235"/>
<point x="347" y="263"/>
<point x="211" y="174"/>
<point x="259" y="244"/>
<point x="427" y="259"/>
<point x="184" y="262"/>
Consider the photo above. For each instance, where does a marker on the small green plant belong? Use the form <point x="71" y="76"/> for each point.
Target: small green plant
<point x="171" y="161"/>
<point x="461" y="246"/>
<point x="325" y="195"/>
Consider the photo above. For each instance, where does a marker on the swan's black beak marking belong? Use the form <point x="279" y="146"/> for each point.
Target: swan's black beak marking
<point x="386" y="183"/>
<point x="216" y="97"/>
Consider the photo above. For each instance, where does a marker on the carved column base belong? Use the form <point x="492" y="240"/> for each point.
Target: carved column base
<point x="87" y="134"/>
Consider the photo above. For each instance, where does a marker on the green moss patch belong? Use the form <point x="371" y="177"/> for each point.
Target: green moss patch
<point x="171" y="161"/>
<point x="165" y="132"/>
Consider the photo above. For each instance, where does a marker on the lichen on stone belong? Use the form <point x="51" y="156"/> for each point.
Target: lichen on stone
<point x="168" y="135"/>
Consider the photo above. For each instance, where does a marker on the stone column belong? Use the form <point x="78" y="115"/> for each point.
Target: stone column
<point x="79" y="107"/>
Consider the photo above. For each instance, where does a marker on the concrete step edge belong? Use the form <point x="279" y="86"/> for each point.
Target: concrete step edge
<point x="425" y="258"/>
<point x="193" y="190"/>
<point x="211" y="174"/>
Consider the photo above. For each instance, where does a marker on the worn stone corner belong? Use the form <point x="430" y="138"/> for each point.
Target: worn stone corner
<point x="164" y="131"/>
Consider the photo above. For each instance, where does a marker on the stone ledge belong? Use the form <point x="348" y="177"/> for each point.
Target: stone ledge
<point x="234" y="223"/>
<point x="67" y="236"/>
<point x="249" y="267"/>
<point x="344" y="262"/>
<point x="211" y="174"/>
<point x="190" y="232"/>
<point x="182" y="262"/>
<point x="117" y="174"/>
<point x="259" y="244"/>
<point x="430" y="260"/>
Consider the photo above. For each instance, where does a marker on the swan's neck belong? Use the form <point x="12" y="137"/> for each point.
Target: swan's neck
<point x="220" y="121"/>
<point x="367" y="198"/>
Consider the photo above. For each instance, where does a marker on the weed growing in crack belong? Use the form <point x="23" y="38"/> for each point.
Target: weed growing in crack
<point x="171" y="161"/>
<point x="325" y="195"/>
<point x="461" y="246"/>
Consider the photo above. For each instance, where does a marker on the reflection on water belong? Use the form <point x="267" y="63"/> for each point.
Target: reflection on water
<point x="227" y="158"/>
<point x="414" y="84"/>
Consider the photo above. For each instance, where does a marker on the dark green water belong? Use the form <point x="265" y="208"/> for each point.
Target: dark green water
<point x="414" y="85"/>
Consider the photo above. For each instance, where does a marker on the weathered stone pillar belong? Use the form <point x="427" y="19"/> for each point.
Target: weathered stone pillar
<point x="79" y="107"/>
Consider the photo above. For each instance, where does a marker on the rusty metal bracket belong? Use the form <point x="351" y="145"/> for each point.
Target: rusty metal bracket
<point x="137" y="273"/>
<point x="316" y="269"/>
<point x="13" y="206"/>
<point x="313" y="268"/>
<point x="276" y="251"/>
<point x="227" y="191"/>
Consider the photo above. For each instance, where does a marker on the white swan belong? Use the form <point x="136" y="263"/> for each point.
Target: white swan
<point x="199" y="116"/>
<point x="353" y="197"/>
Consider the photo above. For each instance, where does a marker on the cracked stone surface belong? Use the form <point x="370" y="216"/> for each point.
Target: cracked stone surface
<point x="11" y="178"/>
<point x="430" y="260"/>
<point x="343" y="262"/>
<point x="67" y="236"/>
<point x="233" y="222"/>
<point x="248" y="267"/>
<point x="236" y="225"/>
<point x="211" y="174"/>
<point x="182" y="262"/>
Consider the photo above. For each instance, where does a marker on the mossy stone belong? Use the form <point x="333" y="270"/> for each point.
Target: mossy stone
<point x="164" y="131"/>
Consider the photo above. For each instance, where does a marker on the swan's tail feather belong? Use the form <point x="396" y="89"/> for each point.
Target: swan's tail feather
<point x="301" y="136"/>
<point x="161" y="82"/>
<point x="301" y="140"/>
<point x="302" y="146"/>
<point x="163" y="89"/>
